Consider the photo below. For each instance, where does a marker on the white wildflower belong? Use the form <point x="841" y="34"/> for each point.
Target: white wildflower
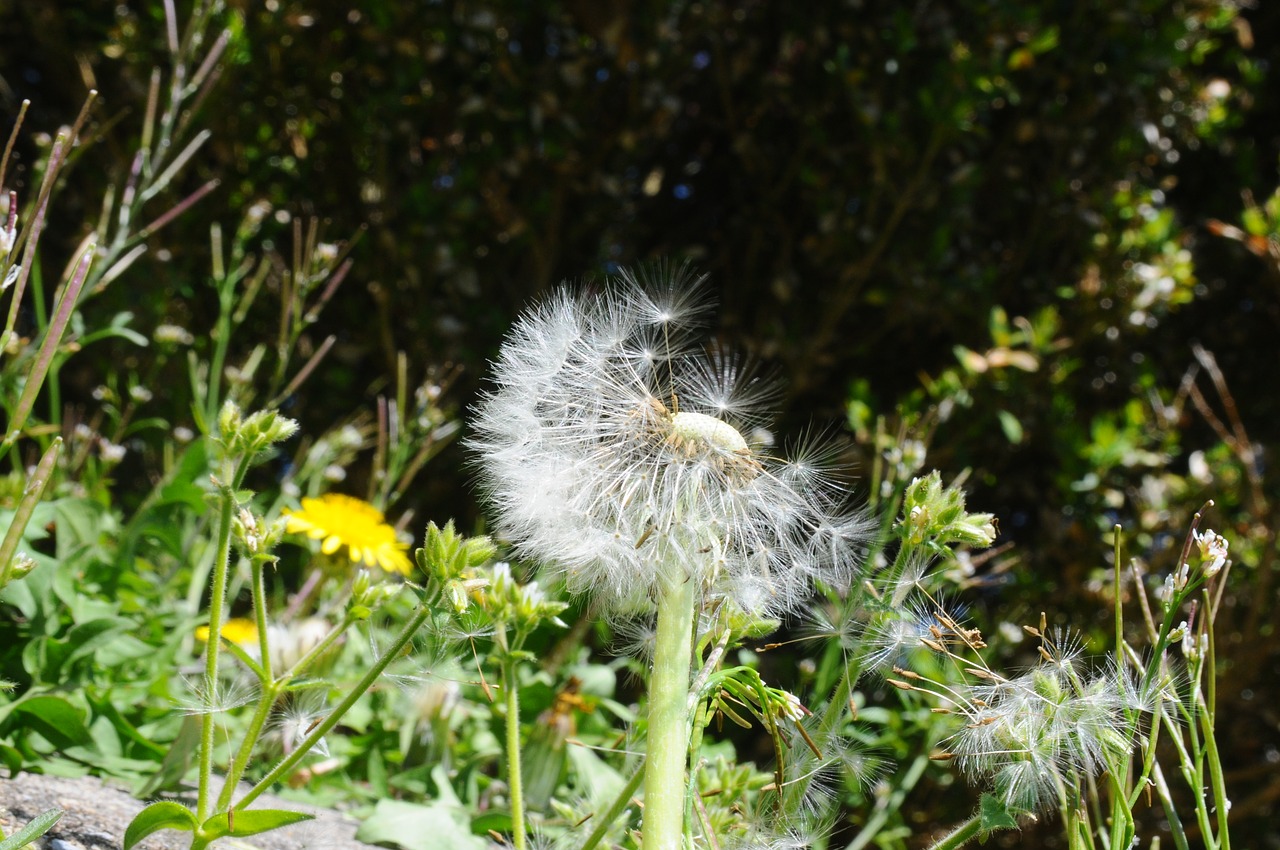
<point x="1213" y="551"/>
<point x="612" y="449"/>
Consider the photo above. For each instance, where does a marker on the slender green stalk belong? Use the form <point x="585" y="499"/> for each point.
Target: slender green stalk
<point x="1117" y="585"/>
<point x="260" y="620"/>
<point x="290" y="761"/>
<point x="318" y="650"/>
<point x="31" y="495"/>
<point x="1222" y="805"/>
<point x="270" y="691"/>
<point x="619" y="804"/>
<point x="49" y="346"/>
<point x="1170" y="809"/>
<point x="223" y="559"/>
<point x="511" y="685"/>
<point x="247" y="744"/>
<point x="668" y="750"/>
<point x="959" y="836"/>
<point x="1208" y="719"/>
<point x="880" y="816"/>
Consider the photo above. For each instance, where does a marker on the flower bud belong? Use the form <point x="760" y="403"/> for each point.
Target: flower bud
<point x="21" y="566"/>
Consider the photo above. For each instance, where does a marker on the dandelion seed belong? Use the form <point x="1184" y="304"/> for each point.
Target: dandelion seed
<point x="1032" y="734"/>
<point x="222" y="697"/>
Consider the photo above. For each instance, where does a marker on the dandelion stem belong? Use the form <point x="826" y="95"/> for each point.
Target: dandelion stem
<point x="668" y="750"/>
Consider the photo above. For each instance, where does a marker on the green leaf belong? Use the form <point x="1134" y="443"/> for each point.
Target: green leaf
<point x="993" y="814"/>
<point x="85" y="639"/>
<point x="415" y="827"/>
<point x="158" y="816"/>
<point x="11" y="757"/>
<point x="41" y="824"/>
<point x="1044" y="41"/>
<point x="1011" y="426"/>
<point x="177" y="761"/>
<point x="54" y="718"/>
<point x="249" y="822"/>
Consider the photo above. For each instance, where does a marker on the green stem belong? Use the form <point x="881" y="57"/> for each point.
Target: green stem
<point x="290" y="761"/>
<point x="619" y="804"/>
<point x="260" y="619"/>
<point x="882" y="813"/>
<point x="247" y="744"/>
<point x="1117" y="587"/>
<point x="223" y="558"/>
<point x="270" y="691"/>
<point x="318" y="650"/>
<point x="668" y="750"/>
<point x="514" y="777"/>
<point x="31" y="495"/>
<point x="959" y="836"/>
<point x="1170" y="809"/>
<point x="1220" y="801"/>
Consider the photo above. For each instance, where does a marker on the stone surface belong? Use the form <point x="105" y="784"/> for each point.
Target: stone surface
<point x="97" y="815"/>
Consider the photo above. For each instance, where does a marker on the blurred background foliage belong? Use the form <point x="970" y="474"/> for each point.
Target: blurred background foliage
<point x="1040" y="238"/>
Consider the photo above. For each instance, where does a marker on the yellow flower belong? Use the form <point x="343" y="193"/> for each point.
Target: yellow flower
<point x="238" y="630"/>
<point x="338" y="521"/>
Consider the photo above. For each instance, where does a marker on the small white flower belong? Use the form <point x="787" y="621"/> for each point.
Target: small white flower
<point x="111" y="452"/>
<point x="791" y="708"/>
<point x="612" y="449"/>
<point x="167" y="334"/>
<point x="1213" y="551"/>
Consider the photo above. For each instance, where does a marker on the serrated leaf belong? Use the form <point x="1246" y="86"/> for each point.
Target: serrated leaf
<point x="250" y="822"/>
<point x="993" y="814"/>
<point x="38" y="826"/>
<point x="158" y="816"/>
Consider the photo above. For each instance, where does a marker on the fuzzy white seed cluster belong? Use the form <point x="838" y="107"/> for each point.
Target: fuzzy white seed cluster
<point x="612" y="449"/>
<point x="1046" y="729"/>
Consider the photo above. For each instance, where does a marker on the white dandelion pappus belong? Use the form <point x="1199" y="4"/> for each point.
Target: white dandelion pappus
<point x="612" y="450"/>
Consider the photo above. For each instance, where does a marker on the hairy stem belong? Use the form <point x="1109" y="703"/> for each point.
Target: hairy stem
<point x="289" y="762"/>
<point x="668" y="751"/>
<point x="222" y="559"/>
<point x="959" y="836"/>
<point x="514" y="778"/>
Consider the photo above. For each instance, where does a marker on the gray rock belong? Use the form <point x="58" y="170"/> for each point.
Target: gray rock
<point x="98" y="813"/>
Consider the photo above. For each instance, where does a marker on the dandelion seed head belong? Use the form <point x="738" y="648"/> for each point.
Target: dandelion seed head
<point x="612" y="448"/>
<point x="1054" y="722"/>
